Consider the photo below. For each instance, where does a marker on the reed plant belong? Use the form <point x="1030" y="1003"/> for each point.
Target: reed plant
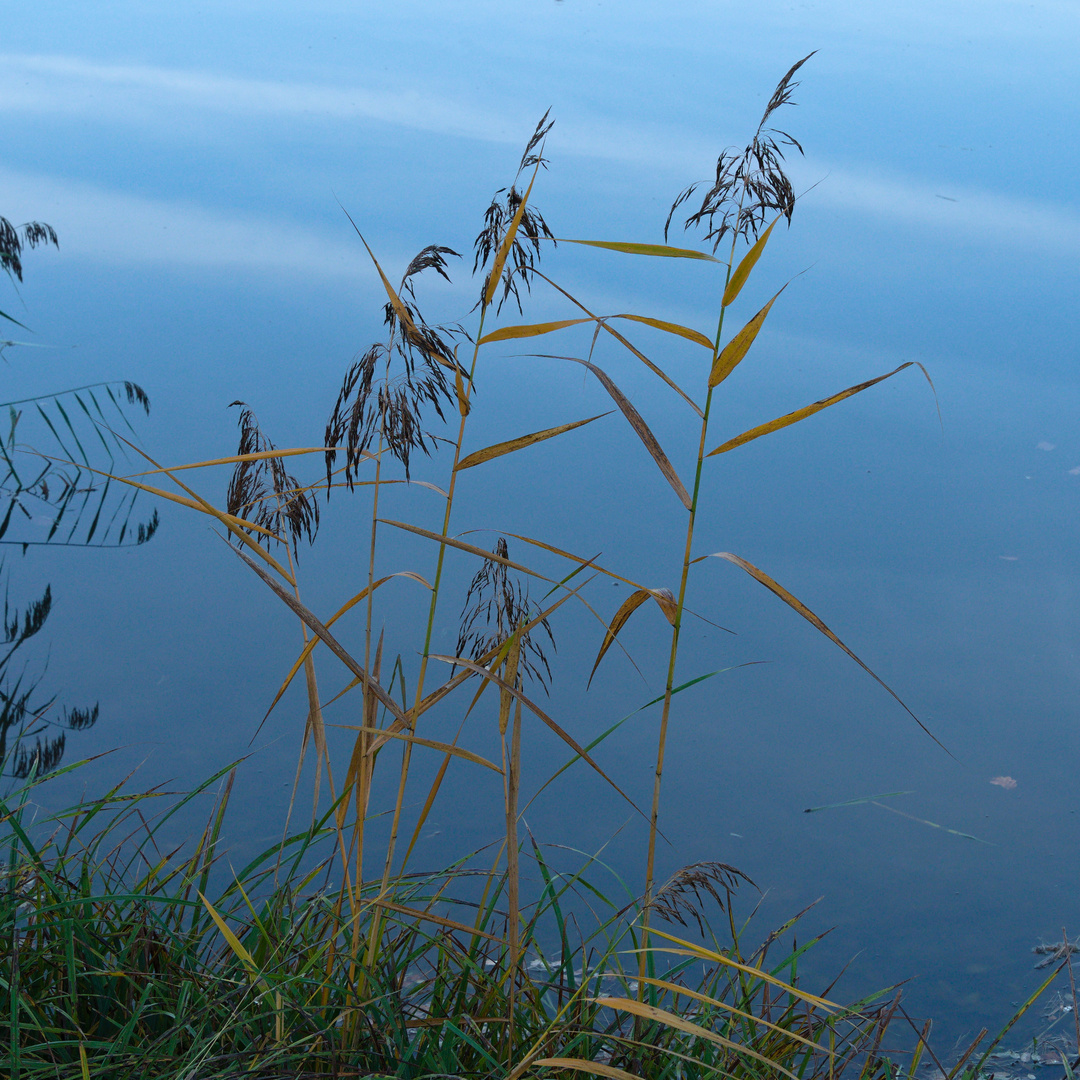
<point x="120" y="959"/>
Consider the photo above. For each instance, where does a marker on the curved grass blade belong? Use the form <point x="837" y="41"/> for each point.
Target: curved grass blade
<point x="659" y="250"/>
<point x="797" y="605"/>
<point x="673" y="1020"/>
<point x="639" y="426"/>
<point x="734" y="351"/>
<point x="748" y="262"/>
<point x="508" y="447"/>
<point x="593" y="1068"/>
<point x="683" y="991"/>
<point x="801" y="414"/>
<point x="747" y="969"/>
<point x="622" y="616"/>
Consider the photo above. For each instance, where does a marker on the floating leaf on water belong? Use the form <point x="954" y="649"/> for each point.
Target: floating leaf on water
<point x="1006" y="782"/>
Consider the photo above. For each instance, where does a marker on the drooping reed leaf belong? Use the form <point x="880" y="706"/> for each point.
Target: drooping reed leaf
<point x="641" y="429"/>
<point x="798" y="606"/>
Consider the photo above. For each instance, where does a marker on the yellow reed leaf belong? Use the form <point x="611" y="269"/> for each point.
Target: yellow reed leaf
<point x="508" y="447"/>
<point x="508" y="333"/>
<point x="235" y="943"/>
<point x="733" y="352"/>
<point x="801" y="414"/>
<point x="747" y="969"/>
<point x="687" y="332"/>
<point x="749" y="260"/>
<point x="663" y="598"/>
<point x="507" y="241"/>
<point x="640" y="427"/>
<point x="432" y="744"/>
<point x="797" y="605"/>
<point x="595" y="1068"/>
<point x="673" y="1020"/>
<point x="661" y="250"/>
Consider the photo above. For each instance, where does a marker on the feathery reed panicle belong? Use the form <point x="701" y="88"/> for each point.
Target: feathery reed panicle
<point x="505" y="606"/>
<point x="680" y="897"/>
<point x="383" y="400"/>
<point x="751" y="185"/>
<point x="525" y="249"/>
<point x="264" y="493"/>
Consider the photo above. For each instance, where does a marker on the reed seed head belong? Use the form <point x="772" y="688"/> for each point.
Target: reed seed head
<point x="385" y="393"/>
<point x="684" y="893"/>
<point x="524" y="252"/>
<point x="750" y="186"/>
<point x="263" y="493"/>
<point x="504" y="605"/>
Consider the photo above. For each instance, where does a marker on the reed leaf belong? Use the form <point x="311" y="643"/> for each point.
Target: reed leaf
<point x="566" y="737"/>
<point x="642" y="430"/>
<point x="472" y="549"/>
<point x="511" y="333"/>
<point x="656" y="250"/>
<point x="746" y="264"/>
<point x="732" y="353"/>
<point x="673" y="1020"/>
<point x="594" y="1068"/>
<point x="507" y="242"/>
<point x="801" y="414"/>
<point x="431" y="744"/>
<point x="696" y="336"/>
<point x="798" y="606"/>
<point x="664" y="600"/>
<point x="508" y="447"/>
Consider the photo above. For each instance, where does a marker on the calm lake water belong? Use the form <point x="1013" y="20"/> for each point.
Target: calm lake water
<point x="192" y="162"/>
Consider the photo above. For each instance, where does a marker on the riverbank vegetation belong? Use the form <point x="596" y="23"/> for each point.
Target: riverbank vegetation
<point x="330" y="954"/>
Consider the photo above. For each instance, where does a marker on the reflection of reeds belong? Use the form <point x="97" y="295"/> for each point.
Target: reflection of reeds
<point x="395" y="963"/>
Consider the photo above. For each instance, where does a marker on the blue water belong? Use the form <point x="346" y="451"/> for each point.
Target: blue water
<point x="192" y="164"/>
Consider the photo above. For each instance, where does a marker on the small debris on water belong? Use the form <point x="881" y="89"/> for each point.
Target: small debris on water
<point x="1060" y="950"/>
